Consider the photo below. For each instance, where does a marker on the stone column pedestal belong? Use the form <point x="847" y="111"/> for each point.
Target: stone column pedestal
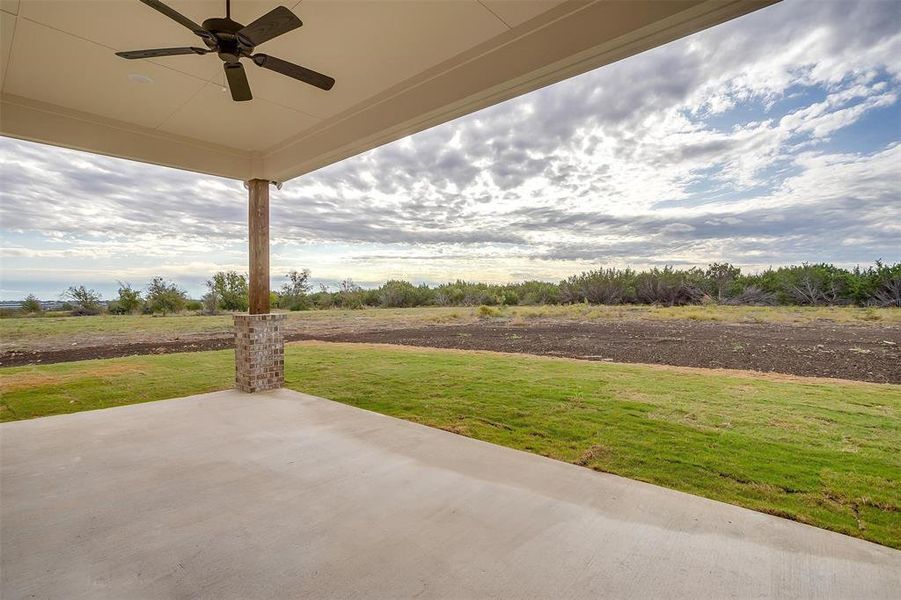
<point x="259" y="352"/>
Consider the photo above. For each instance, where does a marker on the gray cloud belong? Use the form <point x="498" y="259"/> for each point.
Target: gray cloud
<point x="602" y="167"/>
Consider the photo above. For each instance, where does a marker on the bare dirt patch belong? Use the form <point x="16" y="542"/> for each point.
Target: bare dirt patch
<point x="828" y="349"/>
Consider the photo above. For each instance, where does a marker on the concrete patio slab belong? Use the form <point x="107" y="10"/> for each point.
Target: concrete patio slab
<point x="283" y="495"/>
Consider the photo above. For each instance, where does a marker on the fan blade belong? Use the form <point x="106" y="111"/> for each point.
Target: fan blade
<point x="277" y="21"/>
<point x="132" y="54"/>
<point x="174" y="15"/>
<point x="237" y="82"/>
<point x="296" y="71"/>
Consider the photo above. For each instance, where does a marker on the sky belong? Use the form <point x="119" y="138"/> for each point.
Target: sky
<point x="771" y="139"/>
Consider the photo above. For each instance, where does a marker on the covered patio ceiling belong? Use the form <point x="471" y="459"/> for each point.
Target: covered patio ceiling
<point x="400" y="66"/>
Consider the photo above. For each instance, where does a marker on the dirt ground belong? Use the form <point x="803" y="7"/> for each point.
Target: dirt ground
<point x="859" y="352"/>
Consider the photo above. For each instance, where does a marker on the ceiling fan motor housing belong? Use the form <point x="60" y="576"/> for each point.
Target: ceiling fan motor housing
<point x="225" y="39"/>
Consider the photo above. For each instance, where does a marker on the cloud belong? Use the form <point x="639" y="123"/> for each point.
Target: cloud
<point x="770" y="139"/>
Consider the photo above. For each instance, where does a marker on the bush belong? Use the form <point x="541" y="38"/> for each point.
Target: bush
<point x="165" y="297"/>
<point x="299" y="303"/>
<point x="450" y="294"/>
<point x="129" y="301"/>
<point x="879" y="285"/>
<point x="509" y="298"/>
<point x="537" y="292"/>
<point x="31" y="305"/>
<point x="751" y="296"/>
<point x="403" y="294"/>
<point x="84" y="301"/>
<point x="814" y="284"/>
<point x="603" y="286"/>
<point x="293" y="294"/>
<point x="194" y="305"/>
<point x="210" y="303"/>
<point x="720" y="281"/>
<point x="889" y="294"/>
<point x="350" y="295"/>
<point x="323" y="299"/>
<point x="486" y="312"/>
<point x="230" y="288"/>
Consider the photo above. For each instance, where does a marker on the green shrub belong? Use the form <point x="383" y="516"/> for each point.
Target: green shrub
<point x="403" y="294"/>
<point x="509" y="298"/>
<point x="129" y="301"/>
<point x="720" y="281"/>
<point x="536" y="292"/>
<point x="887" y="285"/>
<point x="84" y="301"/>
<point x="350" y="295"/>
<point x="323" y="299"/>
<point x="668" y="287"/>
<point x="31" y="305"/>
<point x="602" y="286"/>
<point x="294" y="292"/>
<point x="164" y="297"/>
<point x="300" y="303"/>
<point x="486" y="312"/>
<point x="230" y="287"/>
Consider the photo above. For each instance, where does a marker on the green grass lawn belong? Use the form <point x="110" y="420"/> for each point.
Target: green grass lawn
<point x="822" y="452"/>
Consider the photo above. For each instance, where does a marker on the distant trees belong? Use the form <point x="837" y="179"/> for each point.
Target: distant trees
<point x="820" y="284"/>
<point x="720" y="283"/>
<point x="31" y="305"/>
<point x="720" y="280"/>
<point x="401" y="294"/>
<point x="165" y="296"/>
<point x="806" y="284"/>
<point x="229" y="288"/>
<point x="84" y="301"/>
<point x="293" y="295"/>
<point x="886" y="284"/>
<point x="129" y="301"/>
<point x="210" y="303"/>
<point x="351" y="295"/>
<point x="602" y="286"/>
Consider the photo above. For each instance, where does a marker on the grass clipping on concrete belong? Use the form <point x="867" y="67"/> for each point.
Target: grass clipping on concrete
<point x="822" y="452"/>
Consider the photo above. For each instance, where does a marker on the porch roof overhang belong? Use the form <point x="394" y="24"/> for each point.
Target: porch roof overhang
<point x="401" y="67"/>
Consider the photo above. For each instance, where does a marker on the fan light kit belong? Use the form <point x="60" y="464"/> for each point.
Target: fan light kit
<point x="233" y="41"/>
<point x="139" y="78"/>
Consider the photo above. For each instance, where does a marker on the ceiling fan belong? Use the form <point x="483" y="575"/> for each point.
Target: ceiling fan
<point x="233" y="41"/>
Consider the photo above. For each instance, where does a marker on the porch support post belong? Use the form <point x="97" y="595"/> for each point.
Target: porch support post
<point x="258" y="237"/>
<point x="259" y="335"/>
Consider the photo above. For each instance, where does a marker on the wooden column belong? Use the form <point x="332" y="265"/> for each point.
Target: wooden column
<point x="258" y="237"/>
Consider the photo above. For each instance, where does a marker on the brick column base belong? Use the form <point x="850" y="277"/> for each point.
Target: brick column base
<point x="259" y="352"/>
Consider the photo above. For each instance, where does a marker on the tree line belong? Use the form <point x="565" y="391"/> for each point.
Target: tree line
<point x="721" y="283"/>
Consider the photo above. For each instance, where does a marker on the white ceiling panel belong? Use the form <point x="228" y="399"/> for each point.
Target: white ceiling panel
<point x="516" y="12"/>
<point x="370" y="46"/>
<point x="254" y="126"/>
<point x="10" y="6"/>
<point x="56" y="68"/>
<point x="7" y="33"/>
<point x="130" y="25"/>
